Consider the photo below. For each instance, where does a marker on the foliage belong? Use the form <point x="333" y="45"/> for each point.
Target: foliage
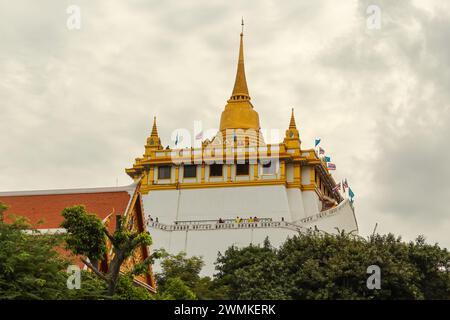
<point x="3" y="208"/>
<point x="323" y="266"/>
<point x="30" y="268"/>
<point x="252" y="272"/>
<point x="86" y="235"/>
<point x="175" y="289"/>
<point x="94" y="288"/>
<point x="179" y="266"/>
<point x="183" y="274"/>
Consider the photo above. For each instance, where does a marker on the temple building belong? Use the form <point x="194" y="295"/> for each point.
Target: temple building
<point x="235" y="189"/>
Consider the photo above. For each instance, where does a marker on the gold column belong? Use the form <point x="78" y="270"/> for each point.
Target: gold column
<point x="297" y="174"/>
<point x="282" y="170"/>
<point x="203" y="172"/>
<point x="151" y="176"/>
<point x="229" y="172"/>
<point x="255" y="171"/>
<point x="145" y="181"/>
<point x="177" y="173"/>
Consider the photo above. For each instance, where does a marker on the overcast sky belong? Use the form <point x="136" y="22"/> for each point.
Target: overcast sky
<point x="77" y="105"/>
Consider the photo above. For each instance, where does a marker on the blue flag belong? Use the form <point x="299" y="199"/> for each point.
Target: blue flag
<point x="316" y="142"/>
<point x="327" y="159"/>
<point x="350" y="193"/>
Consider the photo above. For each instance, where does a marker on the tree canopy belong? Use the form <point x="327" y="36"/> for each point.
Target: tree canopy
<point x="30" y="267"/>
<point x="324" y="266"/>
<point x="86" y="236"/>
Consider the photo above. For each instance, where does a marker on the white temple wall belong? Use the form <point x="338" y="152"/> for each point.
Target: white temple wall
<point x="214" y="203"/>
<point x="162" y="205"/>
<point x="289" y="172"/>
<point x="296" y="206"/>
<point x="311" y="203"/>
<point x="306" y="175"/>
<point x="344" y="220"/>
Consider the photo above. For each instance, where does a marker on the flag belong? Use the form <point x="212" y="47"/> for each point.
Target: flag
<point x="350" y="193"/>
<point x="321" y="151"/>
<point x="331" y="166"/>
<point x="345" y="184"/>
<point x="316" y="142"/>
<point x="199" y="136"/>
<point x="176" y="139"/>
<point x="327" y="159"/>
<point x="337" y="187"/>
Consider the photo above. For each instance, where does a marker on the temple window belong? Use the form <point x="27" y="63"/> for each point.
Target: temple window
<point x="269" y="167"/>
<point x="242" y="169"/>
<point x="215" y="170"/>
<point x="164" y="172"/>
<point x="190" y="171"/>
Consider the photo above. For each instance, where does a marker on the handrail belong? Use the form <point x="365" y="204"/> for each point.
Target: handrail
<point x="326" y="213"/>
<point x="224" y="226"/>
<point x="189" y="222"/>
<point x="199" y="225"/>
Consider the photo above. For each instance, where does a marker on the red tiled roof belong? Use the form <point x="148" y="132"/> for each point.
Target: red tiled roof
<point x="48" y="207"/>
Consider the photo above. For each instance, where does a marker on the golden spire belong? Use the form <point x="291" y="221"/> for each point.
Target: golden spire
<point x="153" y="142"/>
<point x="240" y="90"/>
<point x="239" y="112"/>
<point x="154" y="129"/>
<point x="292" y="123"/>
<point x="292" y="138"/>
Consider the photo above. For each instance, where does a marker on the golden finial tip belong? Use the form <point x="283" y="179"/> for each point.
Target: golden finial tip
<point x="292" y="122"/>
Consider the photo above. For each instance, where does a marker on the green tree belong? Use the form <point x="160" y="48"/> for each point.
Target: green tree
<point x="179" y="266"/>
<point x="86" y="236"/>
<point x="94" y="288"/>
<point x="30" y="268"/>
<point x="175" y="289"/>
<point x="253" y="272"/>
<point x="3" y="208"/>
<point x="324" y="266"/>
<point x="181" y="273"/>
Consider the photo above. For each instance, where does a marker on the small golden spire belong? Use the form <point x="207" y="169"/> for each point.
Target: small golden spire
<point x="240" y="89"/>
<point x="153" y="142"/>
<point x="154" y="129"/>
<point x="292" y="123"/>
